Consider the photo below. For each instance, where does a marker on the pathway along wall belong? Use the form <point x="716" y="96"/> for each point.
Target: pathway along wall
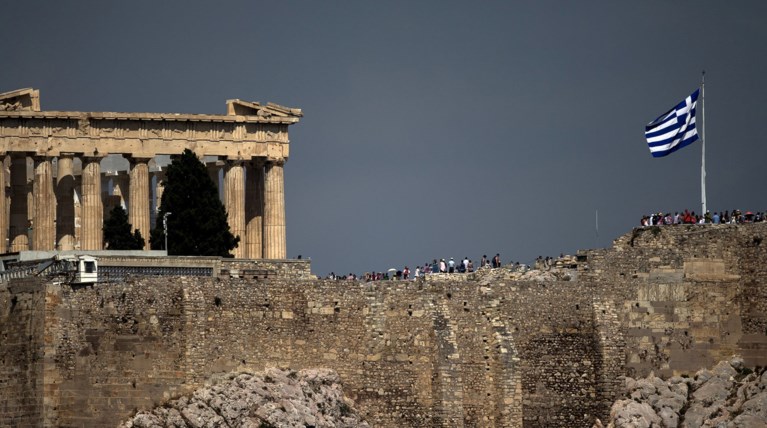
<point x="487" y="352"/>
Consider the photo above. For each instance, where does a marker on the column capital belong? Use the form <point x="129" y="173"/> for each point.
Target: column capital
<point x="228" y="163"/>
<point x="91" y="157"/>
<point x="276" y="161"/>
<point x="137" y="159"/>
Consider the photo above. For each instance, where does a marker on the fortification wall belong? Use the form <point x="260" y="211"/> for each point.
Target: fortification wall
<point x="686" y="297"/>
<point x="410" y="354"/>
<point x="487" y="350"/>
<point x="22" y="350"/>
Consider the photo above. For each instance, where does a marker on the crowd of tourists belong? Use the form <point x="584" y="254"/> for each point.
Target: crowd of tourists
<point x="448" y="266"/>
<point x="452" y="266"/>
<point x="466" y="265"/>
<point x="689" y="217"/>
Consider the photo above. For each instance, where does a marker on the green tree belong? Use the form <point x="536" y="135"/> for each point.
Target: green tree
<point x="197" y="223"/>
<point x="117" y="232"/>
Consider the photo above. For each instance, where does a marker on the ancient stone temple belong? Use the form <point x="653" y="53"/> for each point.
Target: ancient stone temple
<point x="56" y="194"/>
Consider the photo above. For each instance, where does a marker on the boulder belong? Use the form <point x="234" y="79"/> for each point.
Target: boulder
<point x="630" y="414"/>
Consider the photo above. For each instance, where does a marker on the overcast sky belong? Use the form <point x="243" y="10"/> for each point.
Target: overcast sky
<point x="434" y="128"/>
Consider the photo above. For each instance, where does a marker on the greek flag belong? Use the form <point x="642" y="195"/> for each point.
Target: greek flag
<point x="673" y="129"/>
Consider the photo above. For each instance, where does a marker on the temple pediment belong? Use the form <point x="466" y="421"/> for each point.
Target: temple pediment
<point x="251" y="108"/>
<point x="26" y="99"/>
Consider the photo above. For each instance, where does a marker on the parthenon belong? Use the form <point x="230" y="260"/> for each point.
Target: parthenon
<point x="56" y="195"/>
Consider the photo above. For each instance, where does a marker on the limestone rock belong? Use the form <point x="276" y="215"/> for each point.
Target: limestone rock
<point x="272" y="398"/>
<point x="729" y="395"/>
<point x="629" y="413"/>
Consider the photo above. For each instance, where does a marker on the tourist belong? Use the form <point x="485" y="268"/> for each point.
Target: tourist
<point x="451" y="265"/>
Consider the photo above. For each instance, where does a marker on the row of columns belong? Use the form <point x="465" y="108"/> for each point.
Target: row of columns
<point x="253" y="197"/>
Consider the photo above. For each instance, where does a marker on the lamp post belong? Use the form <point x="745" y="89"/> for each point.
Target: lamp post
<point x="165" y="228"/>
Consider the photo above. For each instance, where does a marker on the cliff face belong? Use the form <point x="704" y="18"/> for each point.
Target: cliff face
<point x="492" y="349"/>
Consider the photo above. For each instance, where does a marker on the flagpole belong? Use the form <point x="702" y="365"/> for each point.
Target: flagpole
<point x="703" y="143"/>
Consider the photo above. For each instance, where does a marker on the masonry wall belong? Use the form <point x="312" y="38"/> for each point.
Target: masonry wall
<point x="482" y="351"/>
<point x="22" y="312"/>
<point x="410" y="354"/>
<point x="686" y="297"/>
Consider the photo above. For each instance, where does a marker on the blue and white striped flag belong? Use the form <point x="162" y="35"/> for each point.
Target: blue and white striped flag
<point x="673" y="129"/>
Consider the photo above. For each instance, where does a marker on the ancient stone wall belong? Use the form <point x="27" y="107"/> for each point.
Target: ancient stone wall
<point x="486" y="350"/>
<point x="22" y="313"/>
<point x="686" y="297"/>
<point x="410" y="353"/>
<point x="266" y="268"/>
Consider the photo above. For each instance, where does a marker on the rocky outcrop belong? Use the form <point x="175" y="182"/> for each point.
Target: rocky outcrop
<point x="729" y="395"/>
<point x="274" y="398"/>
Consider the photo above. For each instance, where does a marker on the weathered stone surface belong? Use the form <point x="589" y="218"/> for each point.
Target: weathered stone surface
<point x="474" y="350"/>
<point x="273" y="398"/>
<point x="629" y="413"/>
<point x="729" y="395"/>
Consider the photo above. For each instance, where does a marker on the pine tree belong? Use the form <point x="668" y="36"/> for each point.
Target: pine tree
<point x="117" y="232"/>
<point x="197" y="223"/>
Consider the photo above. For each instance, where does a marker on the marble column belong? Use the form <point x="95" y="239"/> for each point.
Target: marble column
<point x="19" y="210"/>
<point x="234" y="202"/>
<point x="3" y="207"/>
<point x="92" y="206"/>
<point x="254" y="208"/>
<point x="65" y="203"/>
<point x="274" y="210"/>
<point x="138" y="209"/>
<point x="44" y="227"/>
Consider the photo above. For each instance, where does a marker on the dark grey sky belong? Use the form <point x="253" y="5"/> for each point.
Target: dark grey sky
<point x="434" y="128"/>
